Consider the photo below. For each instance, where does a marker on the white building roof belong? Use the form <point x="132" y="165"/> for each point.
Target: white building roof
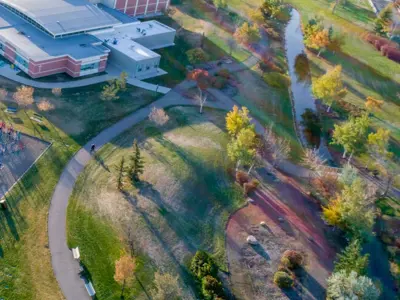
<point x="39" y="46"/>
<point x="123" y="39"/>
<point x="61" y="17"/>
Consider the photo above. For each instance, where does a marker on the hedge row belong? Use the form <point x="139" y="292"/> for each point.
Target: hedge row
<point x="386" y="47"/>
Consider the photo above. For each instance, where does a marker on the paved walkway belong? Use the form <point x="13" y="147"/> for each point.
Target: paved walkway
<point x="64" y="266"/>
<point x="112" y="73"/>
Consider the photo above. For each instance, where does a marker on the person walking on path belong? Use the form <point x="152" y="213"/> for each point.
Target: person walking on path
<point x="92" y="148"/>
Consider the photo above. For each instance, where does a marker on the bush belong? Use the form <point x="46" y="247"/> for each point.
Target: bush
<point x="219" y="82"/>
<point x="282" y="268"/>
<point x="276" y="80"/>
<point x="224" y="73"/>
<point x="393" y="54"/>
<point x="249" y="187"/>
<point x="292" y="259"/>
<point x="196" y="56"/>
<point x="380" y="43"/>
<point x="212" y="288"/>
<point x="202" y="265"/>
<point x="283" y="280"/>
<point x="386" y="48"/>
<point x="242" y="177"/>
<point x="272" y="33"/>
<point x="268" y="65"/>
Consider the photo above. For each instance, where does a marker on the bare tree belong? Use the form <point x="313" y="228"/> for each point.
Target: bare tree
<point x="3" y="94"/>
<point x="158" y="116"/>
<point x="201" y="98"/>
<point x="166" y="287"/>
<point x="44" y="105"/>
<point x="277" y="147"/>
<point x="313" y="161"/>
<point x="57" y="92"/>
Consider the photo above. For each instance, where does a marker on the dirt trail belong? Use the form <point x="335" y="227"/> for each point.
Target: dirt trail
<point x="302" y="228"/>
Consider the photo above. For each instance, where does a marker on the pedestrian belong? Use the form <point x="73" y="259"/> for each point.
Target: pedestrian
<point x="92" y="148"/>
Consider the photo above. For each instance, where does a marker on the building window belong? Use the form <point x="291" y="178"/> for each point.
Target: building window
<point x="88" y="67"/>
<point x="21" y="61"/>
<point x="139" y="68"/>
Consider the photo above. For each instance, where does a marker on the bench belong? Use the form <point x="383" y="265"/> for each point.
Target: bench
<point x="75" y="253"/>
<point x="90" y="289"/>
<point x="11" y="110"/>
<point x="36" y="120"/>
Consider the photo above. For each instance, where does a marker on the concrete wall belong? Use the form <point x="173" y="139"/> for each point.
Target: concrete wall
<point x="131" y="66"/>
<point x="157" y="41"/>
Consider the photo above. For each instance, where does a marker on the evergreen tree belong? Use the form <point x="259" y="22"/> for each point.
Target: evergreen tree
<point x="120" y="168"/>
<point x="136" y="163"/>
<point x="351" y="259"/>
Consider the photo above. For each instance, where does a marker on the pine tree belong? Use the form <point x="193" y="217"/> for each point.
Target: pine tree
<point x="120" y="168"/>
<point x="136" y="163"/>
<point x="351" y="259"/>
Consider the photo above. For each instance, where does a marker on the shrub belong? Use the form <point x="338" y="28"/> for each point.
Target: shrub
<point x="211" y="288"/>
<point x="380" y="43"/>
<point x="282" y="268"/>
<point x="224" y="73"/>
<point x="249" y="187"/>
<point x="283" y="280"/>
<point x="202" y="265"/>
<point x="292" y="259"/>
<point x="272" y="33"/>
<point x="219" y="82"/>
<point x="393" y="54"/>
<point x="276" y="80"/>
<point x="242" y="177"/>
<point x="196" y="56"/>
<point x="267" y="65"/>
<point x="386" y="48"/>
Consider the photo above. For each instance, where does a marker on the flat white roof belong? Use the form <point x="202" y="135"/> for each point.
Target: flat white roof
<point x="122" y="39"/>
<point x="61" y="17"/>
<point x="35" y="44"/>
<point x="136" y="30"/>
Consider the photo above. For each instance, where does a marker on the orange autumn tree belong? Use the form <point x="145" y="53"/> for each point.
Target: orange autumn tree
<point x="202" y="78"/>
<point x="319" y="41"/>
<point x="372" y="103"/>
<point x="124" y="271"/>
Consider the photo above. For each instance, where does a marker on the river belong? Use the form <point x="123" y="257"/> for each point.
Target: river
<point x="301" y="87"/>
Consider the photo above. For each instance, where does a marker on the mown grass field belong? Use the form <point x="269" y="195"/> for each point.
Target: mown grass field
<point x="182" y="204"/>
<point x="26" y="271"/>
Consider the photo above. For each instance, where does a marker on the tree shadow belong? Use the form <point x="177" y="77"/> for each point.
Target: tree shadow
<point x="259" y="249"/>
<point x="187" y="277"/>
<point x="308" y="284"/>
<point x="100" y="161"/>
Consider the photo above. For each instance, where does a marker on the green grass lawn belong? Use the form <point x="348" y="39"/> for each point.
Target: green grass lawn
<point x="182" y="204"/>
<point x="195" y="20"/>
<point x="25" y="264"/>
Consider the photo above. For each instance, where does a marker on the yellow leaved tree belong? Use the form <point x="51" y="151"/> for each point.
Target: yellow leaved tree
<point x="329" y="87"/>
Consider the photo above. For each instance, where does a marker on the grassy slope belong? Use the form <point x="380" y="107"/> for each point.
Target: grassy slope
<point x="191" y="216"/>
<point x="25" y="265"/>
<point x="366" y="72"/>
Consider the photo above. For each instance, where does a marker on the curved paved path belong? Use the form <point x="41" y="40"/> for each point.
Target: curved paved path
<point x="65" y="268"/>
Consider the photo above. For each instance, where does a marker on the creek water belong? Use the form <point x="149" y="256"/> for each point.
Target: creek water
<point x="300" y="81"/>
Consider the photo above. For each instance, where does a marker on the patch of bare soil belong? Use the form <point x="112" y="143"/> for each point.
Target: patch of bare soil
<point x="292" y="222"/>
